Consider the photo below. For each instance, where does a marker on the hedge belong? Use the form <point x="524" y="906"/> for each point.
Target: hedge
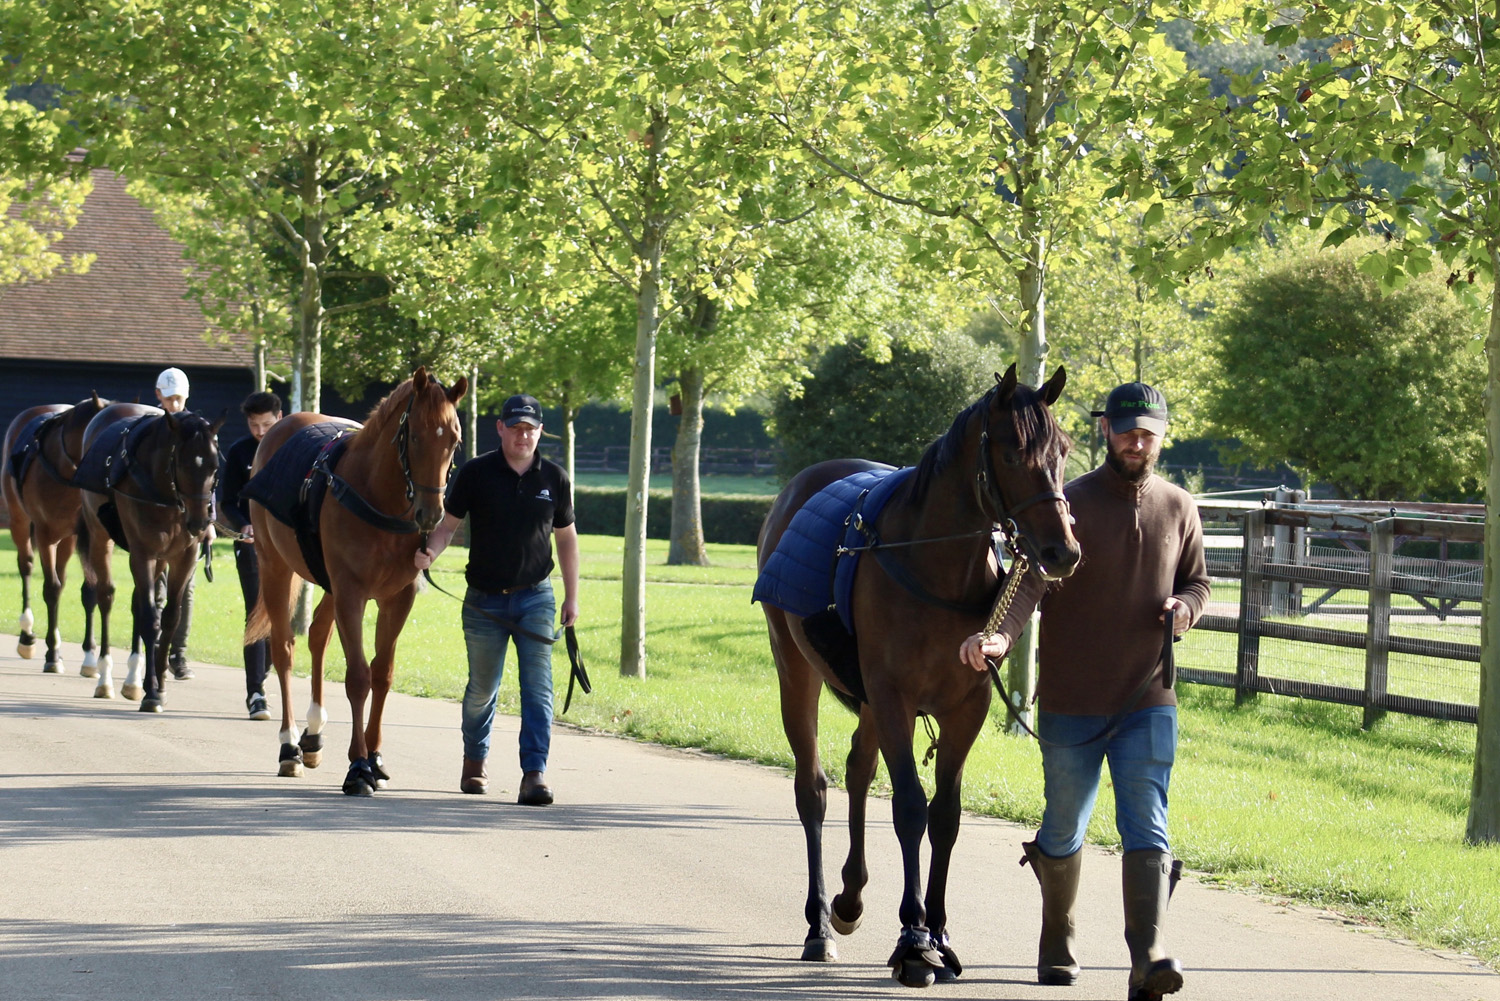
<point x="733" y="518"/>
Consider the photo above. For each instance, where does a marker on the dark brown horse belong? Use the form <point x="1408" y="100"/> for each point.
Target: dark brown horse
<point x="156" y="503"/>
<point x="393" y="473"/>
<point x="1000" y="463"/>
<point x="43" y="507"/>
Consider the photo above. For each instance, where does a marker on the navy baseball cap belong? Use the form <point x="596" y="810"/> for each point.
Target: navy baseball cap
<point x="521" y="408"/>
<point x="1135" y="405"/>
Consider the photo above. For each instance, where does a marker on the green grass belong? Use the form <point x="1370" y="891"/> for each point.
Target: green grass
<point x="1282" y="796"/>
<point x="708" y="483"/>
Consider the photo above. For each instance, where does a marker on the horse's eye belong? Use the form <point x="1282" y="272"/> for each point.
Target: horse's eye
<point x="1011" y="458"/>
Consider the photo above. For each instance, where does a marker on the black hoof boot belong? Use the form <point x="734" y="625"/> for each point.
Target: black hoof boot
<point x="952" y="968"/>
<point x="377" y="766"/>
<point x="361" y="780"/>
<point x="311" y="745"/>
<point x="291" y="762"/>
<point x="915" y="962"/>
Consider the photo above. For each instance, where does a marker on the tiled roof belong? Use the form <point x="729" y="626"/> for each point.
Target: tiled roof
<point x="129" y="306"/>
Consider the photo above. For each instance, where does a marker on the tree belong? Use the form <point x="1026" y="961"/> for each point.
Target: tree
<point x="36" y="214"/>
<point x="1409" y="83"/>
<point x="1363" y="390"/>
<point x="883" y="406"/>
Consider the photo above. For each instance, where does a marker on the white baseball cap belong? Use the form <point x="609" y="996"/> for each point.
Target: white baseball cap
<point x="172" y="382"/>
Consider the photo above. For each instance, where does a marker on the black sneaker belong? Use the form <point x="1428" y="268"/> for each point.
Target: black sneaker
<point x="256" y="703"/>
<point x="178" y="663"/>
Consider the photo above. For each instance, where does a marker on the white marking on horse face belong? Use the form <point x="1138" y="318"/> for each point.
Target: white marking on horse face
<point x="198" y="461"/>
<point x="440" y="432"/>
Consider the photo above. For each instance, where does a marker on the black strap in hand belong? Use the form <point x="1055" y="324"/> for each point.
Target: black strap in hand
<point x="1169" y="637"/>
<point x="579" y="673"/>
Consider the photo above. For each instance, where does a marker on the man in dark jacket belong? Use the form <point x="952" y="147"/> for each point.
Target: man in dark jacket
<point x="261" y="410"/>
<point x="1100" y="689"/>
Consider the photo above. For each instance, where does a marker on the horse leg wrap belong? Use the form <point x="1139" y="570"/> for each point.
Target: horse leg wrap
<point x="361" y="780"/>
<point x="26" y="622"/>
<point x="377" y="768"/>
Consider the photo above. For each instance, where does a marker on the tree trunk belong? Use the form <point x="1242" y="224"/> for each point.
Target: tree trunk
<point x="569" y="408"/>
<point x="1033" y="360"/>
<point x="314" y="251"/>
<point x="687" y="548"/>
<point x="260" y="365"/>
<point x="1484" y="794"/>
<point x="633" y="581"/>
<point x="472" y="430"/>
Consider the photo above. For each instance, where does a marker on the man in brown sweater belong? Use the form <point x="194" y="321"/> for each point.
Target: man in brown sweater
<point x="1101" y="690"/>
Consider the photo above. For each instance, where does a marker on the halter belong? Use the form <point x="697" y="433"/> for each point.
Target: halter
<point x="178" y="499"/>
<point x="402" y="441"/>
<point x="991" y="499"/>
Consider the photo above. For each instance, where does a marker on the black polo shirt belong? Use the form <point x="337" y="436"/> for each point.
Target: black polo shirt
<point x="511" y="518"/>
<point x="234" y="474"/>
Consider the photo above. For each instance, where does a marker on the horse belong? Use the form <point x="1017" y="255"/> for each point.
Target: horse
<point x="930" y="585"/>
<point x="44" y="503"/>
<point x="389" y="483"/>
<point x="148" y="480"/>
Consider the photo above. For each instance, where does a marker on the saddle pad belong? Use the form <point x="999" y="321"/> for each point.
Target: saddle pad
<point x="106" y="459"/>
<point x="285" y="488"/>
<point x="804" y="575"/>
<point x="28" y="445"/>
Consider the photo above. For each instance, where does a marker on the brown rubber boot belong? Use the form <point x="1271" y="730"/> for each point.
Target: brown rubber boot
<point x="1146" y="877"/>
<point x="1055" y="965"/>
<point x="474" y="779"/>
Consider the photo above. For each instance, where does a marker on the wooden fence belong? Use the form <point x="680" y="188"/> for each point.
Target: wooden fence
<point x="1276" y="563"/>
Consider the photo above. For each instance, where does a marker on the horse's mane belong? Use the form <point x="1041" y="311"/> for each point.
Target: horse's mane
<point x="389" y="408"/>
<point x="1031" y="421"/>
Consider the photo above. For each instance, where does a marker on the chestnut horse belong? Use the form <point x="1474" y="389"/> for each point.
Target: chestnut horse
<point x="914" y="601"/>
<point x="158" y="499"/>
<point x="393" y="472"/>
<point x="44" y="505"/>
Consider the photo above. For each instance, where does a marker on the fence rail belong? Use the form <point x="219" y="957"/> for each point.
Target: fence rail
<point x="1285" y="646"/>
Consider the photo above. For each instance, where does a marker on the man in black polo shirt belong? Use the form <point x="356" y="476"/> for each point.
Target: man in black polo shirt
<point x="516" y="502"/>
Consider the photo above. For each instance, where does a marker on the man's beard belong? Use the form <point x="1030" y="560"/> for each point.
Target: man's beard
<point x="1128" y="474"/>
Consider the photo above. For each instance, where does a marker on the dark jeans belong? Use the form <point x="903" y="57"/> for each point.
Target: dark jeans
<point x="178" y="647"/>
<point x="257" y="654"/>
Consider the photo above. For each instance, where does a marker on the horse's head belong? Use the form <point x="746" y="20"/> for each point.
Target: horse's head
<point x="426" y="440"/>
<point x="1021" y="472"/>
<point x="192" y="461"/>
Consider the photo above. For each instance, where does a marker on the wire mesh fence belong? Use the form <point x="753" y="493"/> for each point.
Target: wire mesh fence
<point x="1377" y="609"/>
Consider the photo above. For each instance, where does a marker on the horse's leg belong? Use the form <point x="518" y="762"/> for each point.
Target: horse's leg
<point x="96" y="548"/>
<point x="147" y="620"/>
<point x="800" y="687"/>
<point x="915" y="962"/>
<point x="20" y="533"/>
<point x="319" y="631"/>
<point x="179" y="576"/>
<point x="348" y="609"/>
<point x="53" y="562"/>
<point x="959" y="731"/>
<point x="859" y="771"/>
<point x="88" y="595"/>
<point x="388" y="625"/>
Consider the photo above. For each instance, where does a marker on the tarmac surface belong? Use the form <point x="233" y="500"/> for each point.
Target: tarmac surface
<point x="159" y="857"/>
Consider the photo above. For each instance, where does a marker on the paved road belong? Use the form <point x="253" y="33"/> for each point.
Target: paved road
<point x="159" y="857"/>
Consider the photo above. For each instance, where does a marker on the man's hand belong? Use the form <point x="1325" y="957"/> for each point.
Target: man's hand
<point x="247" y="534"/>
<point x="977" y="647"/>
<point x="569" y="611"/>
<point x="422" y="558"/>
<point x="1180" y="620"/>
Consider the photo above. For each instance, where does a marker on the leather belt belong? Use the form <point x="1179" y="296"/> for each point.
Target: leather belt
<point x="519" y="587"/>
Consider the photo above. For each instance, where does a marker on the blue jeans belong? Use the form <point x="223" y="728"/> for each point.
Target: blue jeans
<point x="1140" y="754"/>
<point x="533" y="609"/>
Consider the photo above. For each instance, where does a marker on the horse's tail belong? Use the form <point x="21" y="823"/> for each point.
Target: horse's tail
<point x="258" y="624"/>
<point x="848" y="701"/>
<point x="81" y="530"/>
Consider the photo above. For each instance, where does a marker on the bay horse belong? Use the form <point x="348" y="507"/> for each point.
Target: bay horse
<point x="155" y="500"/>
<point x="936" y="575"/>
<point x="389" y="484"/>
<point x="44" y="504"/>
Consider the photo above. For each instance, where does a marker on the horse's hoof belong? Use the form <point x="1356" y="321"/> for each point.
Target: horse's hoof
<point x="312" y="749"/>
<point x="26" y="650"/>
<point x="103" y="692"/>
<point x="360" y="781"/>
<point x="52" y="667"/>
<point x="152" y="705"/>
<point x="291" y="762"/>
<point x="377" y="766"/>
<point x="87" y="670"/>
<point x="844" y="926"/>
<point x="819" y="950"/>
<point x="914" y="973"/>
<point x="132" y="692"/>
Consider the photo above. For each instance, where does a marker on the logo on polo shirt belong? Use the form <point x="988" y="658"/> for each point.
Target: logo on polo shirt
<point x="545" y="494"/>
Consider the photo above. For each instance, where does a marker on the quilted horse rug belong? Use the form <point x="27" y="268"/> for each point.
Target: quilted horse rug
<point x="294" y="484"/>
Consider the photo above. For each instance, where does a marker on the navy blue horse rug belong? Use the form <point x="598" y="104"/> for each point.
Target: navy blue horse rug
<point x="27" y="447"/>
<point x="293" y="484"/>
<point x="808" y="575"/>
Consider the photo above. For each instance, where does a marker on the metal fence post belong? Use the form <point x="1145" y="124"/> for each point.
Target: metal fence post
<point x="1378" y="622"/>
<point x="1247" y="661"/>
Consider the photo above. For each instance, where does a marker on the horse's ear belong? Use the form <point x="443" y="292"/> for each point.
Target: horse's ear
<point x="419" y="378"/>
<point x="98" y="403"/>
<point x="458" y="390"/>
<point x="1006" y="382"/>
<point x="216" y="425"/>
<point x="1052" y="389"/>
<point x="171" y="422"/>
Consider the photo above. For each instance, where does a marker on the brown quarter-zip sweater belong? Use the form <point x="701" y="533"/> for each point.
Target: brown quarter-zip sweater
<point x="1142" y="542"/>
